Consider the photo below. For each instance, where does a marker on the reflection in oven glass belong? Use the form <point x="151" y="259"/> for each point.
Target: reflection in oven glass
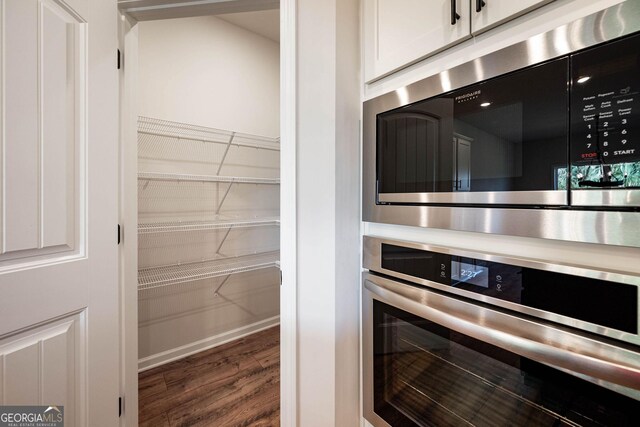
<point x="428" y="375"/>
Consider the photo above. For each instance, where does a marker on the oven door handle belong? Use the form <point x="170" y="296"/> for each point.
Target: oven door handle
<point x="559" y="348"/>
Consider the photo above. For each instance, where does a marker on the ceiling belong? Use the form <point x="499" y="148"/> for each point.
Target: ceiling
<point x="265" y="22"/>
<point x="148" y="10"/>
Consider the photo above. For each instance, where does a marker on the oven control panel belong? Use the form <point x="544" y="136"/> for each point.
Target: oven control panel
<point x="601" y="302"/>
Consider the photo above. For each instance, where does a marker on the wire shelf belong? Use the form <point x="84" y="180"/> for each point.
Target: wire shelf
<point x="161" y="176"/>
<point x="156" y="277"/>
<point x="158" y="127"/>
<point x="184" y="226"/>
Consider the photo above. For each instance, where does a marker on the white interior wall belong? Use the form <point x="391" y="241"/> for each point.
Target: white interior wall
<point x="207" y="72"/>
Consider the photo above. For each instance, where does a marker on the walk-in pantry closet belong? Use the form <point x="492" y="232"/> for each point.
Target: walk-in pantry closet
<point x="208" y="219"/>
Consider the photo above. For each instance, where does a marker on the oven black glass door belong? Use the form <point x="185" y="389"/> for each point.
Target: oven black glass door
<point x="482" y="144"/>
<point x="427" y="375"/>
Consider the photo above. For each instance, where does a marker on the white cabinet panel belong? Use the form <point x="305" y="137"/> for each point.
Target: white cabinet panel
<point x="399" y="32"/>
<point x="495" y="12"/>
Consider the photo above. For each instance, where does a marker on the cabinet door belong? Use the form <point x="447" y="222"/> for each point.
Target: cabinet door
<point x="489" y="13"/>
<point x="400" y="32"/>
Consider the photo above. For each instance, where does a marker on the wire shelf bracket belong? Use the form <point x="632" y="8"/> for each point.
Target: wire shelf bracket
<point x="217" y="291"/>
<point x="226" y="151"/>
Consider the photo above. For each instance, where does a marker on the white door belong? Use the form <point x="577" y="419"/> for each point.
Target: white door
<point x="399" y="32"/>
<point x="59" y="321"/>
<point x="489" y="13"/>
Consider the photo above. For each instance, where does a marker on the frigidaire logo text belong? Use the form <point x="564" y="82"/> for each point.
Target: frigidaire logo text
<point x="468" y="96"/>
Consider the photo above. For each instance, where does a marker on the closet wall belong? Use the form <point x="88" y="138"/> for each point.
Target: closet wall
<point x="222" y="81"/>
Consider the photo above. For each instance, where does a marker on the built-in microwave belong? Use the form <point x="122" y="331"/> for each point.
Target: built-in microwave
<point x="551" y="124"/>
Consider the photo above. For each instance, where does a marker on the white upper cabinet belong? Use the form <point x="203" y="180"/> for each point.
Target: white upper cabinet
<point x="399" y="32"/>
<point x="489" y="13"/>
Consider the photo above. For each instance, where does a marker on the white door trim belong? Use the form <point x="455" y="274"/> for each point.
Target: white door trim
<point x="288" y="216"/>
<point x="128" y="220"/>
<point x="288" y="221"/>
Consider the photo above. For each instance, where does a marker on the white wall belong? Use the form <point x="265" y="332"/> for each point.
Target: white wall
<point x="207" y="72"/>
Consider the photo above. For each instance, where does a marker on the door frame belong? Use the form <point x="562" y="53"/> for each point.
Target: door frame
<point x="128" y="219"/>
<point x="128" y="41"/>
<point x="288" y="215"/>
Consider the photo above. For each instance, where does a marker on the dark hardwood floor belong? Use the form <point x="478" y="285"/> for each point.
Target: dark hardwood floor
<point x="236" y="384"/>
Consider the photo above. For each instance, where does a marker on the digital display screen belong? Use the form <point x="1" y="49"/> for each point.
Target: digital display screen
<point x="462" y="272"/>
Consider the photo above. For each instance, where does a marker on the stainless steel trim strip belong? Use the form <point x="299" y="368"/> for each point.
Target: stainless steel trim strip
<point x="614" y="228"/>
<point x="372" y="261"/>
<point x="613" y="367"/>
<point x="618" y="197"/>
<point x="604" y="227"/>
<point x="540" y="198"/>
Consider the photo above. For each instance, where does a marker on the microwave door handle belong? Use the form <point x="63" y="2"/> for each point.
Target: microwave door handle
<point x="422" y="302"/>
<point x="454" y="13"/>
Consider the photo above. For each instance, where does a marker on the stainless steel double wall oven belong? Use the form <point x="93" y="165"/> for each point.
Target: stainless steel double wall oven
<point x="540" y="139"/>
<point x="531" y="140"/>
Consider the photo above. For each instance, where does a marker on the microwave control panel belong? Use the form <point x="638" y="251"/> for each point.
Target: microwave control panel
<point x="605" y="104"/>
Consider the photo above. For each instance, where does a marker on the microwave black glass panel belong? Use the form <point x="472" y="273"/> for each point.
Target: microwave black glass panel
<point x="504" y="134"/>
<point x="610" y="304"/>
<point x="605" y="116"/>
<point x="428" y="375"/>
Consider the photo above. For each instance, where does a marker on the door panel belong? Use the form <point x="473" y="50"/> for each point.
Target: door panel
<point x="59" y="204"/>
<point x="42" y="367"/>
<point x="20" y="143"/>
<point x="61" y="77"/>
<point x="45" y="67"/>
<point x="408" y="152"/>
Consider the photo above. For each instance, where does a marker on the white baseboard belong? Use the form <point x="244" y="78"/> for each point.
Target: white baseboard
<point x="205" y="344"/>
